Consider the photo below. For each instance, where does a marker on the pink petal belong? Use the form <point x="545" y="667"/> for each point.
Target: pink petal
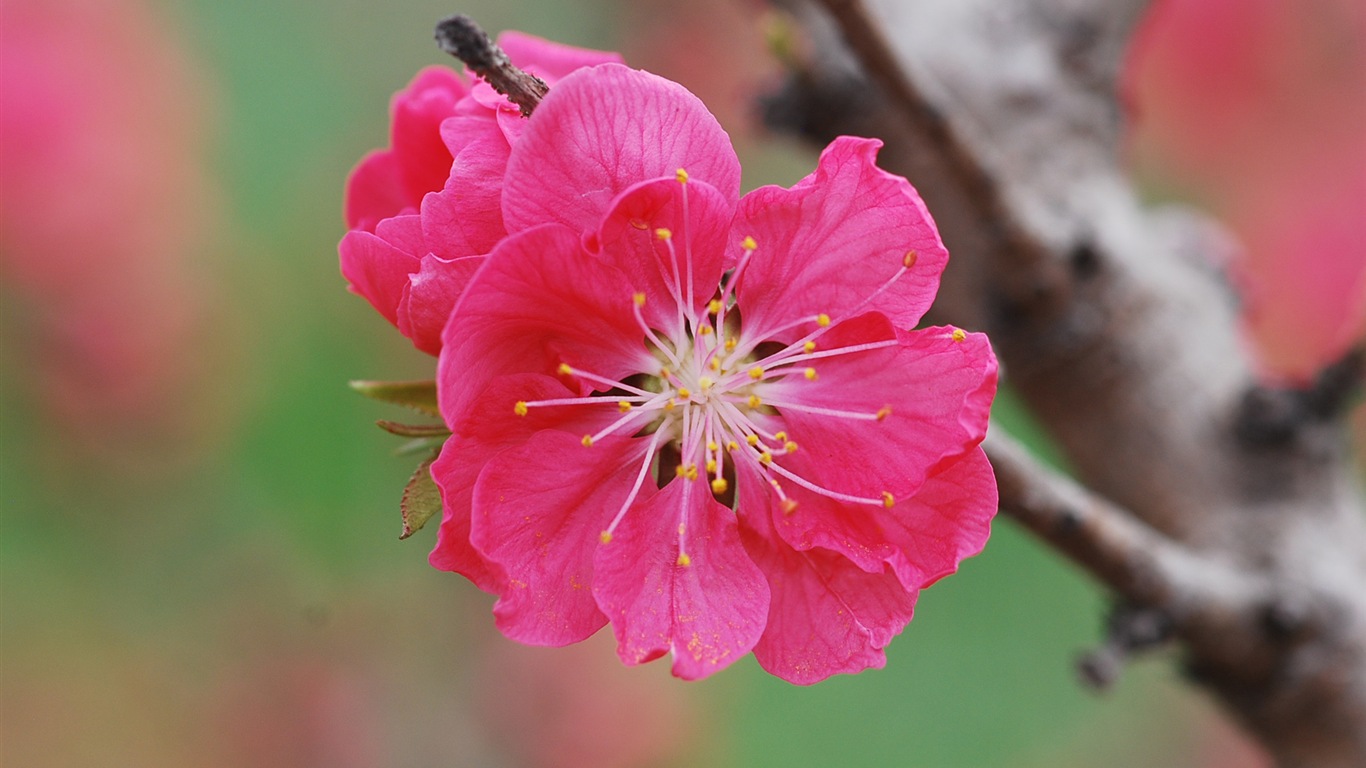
<point x="826" y="616"/>
<point x="539" y="300"/>
<point x="415" y="136"/>
<point x="834" y="239"/>
<point x="923" y="538"/>
<point x="493" y="427"/>
<point x="432" y="293"/>
<point x="708" y="613"/>
<point x="599" y="131"/>
<point x="375" y="190"/>
<point x="466" y="218"/>
<point x="551" y="61"/>
<point x="376" y="270"/>
<point x="698" y="218"/>
<point x="389" y="181"/>
<point x="538" y="511"/>
<point x="939" y="392"/>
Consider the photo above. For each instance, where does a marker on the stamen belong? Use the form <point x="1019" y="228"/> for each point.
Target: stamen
<point x="520" y="408"/>
<point x="566" y="370"/>
<point x="858" y="415"/>
<point x="606" y="535"/>
<point x="683" y="560"/>
<point x="959" y="334"/>
<point x="719" y="486"/>
<point x="682" y="177"/>
<point x="810" y="374"/>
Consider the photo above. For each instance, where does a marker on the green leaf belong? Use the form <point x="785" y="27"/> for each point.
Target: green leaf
<point x="421" y="499"/>
<point x="413" y="430"/>
<point x="417" y="395"/>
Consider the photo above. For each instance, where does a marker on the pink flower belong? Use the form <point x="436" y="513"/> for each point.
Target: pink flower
<point x="423" y="212"/>
<point x="703" y="421"/>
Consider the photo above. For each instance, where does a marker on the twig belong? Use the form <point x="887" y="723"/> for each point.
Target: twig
<point x="1143" y="566"/>
<point x="462" y="38"/>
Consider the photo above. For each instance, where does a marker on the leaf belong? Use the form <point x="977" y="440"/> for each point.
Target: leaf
<point x="421" y="499"/>
<point x="417" y="395"/>
<point x="413" y="430"/>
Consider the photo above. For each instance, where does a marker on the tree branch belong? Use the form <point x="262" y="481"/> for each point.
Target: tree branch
<point x="464" y="39"/>
<point x="1123" y="341"/>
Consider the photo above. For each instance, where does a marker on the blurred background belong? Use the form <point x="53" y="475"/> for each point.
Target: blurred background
<point x="199" y="562"/>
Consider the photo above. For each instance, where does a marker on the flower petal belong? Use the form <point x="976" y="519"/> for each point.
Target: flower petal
<point x="432" y="293"/>
<point x="538" y="511"/>
<point x="923" y="538"/>
<point x="708" y="613"/>
<point x="826" y="616"/>
<point x="602" y="129"/>
<point x="834" y="239"/>
<point x="465" y="218"/>
<point x="494" y="427"/>
<point x="937" y="390"/>
<point x="390" y="181"/>
<point x="376" y="270"/>
<point x="632" y="238"/>
<point x="549" y="60"/>
<point x="537" y="301"/>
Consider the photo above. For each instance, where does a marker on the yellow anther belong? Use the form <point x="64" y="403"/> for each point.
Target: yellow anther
<point x="565" y="370"/>
<point x="714" y="306"/>
<point x="730" y="344"/>
<point x="715" y="364"/>
<point x="731" y="445"/>
<point x="748" y="244"/>
<point x="780" y="436"/>
<point x="752" y="439"/>
<point x="809" y="347"/>
<point x="520" y="408"/>
<point x="719" y="485"/>
<point x="639" y="299"/>
<point x="959" y="334"/>
<point x="884" y="412"/>
<point x="587" y="440"/>
<point x="754" y="401"/>
<point x="680" y="471"/>
<point x="683" y="559"/>
<point x="605" y="537"/>
<point x="669" y="405"/>
<point x="766" y="458"/>
<point x="711" y="466"/>
<point x="681" y="175"/>
<point x="711" y="446"/>
<point x="684" y="392"/>
<point x="638" y="224"/>
<point x="705" y="383"/>
<point x="789" y="506"/>
<point x="790" y="447"/>
<point x="756" y="373"/>
<point x="823" y="320"/>
<point x="692" y="472"/>
<point x="909" y="259"/>
<point x="888" y="499"/>
<point x="706" y="330"/>
<point x="623" y="406"/>
<point x="810" y="374"/>
<point x="663" y="233"/>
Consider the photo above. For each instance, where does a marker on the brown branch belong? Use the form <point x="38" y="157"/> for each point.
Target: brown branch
<point x="464" y="39"/>
<point x="1123" y="343"/>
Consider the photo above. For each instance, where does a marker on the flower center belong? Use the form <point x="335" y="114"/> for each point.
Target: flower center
<point x="717" y="397"/>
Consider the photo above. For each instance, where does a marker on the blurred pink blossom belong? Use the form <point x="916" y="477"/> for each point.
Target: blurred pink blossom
<point x="106" y="203"/>
<point x="1257" y="109"/>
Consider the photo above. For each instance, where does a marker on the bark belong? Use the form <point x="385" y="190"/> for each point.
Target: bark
<point x="1224" y="514"/>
